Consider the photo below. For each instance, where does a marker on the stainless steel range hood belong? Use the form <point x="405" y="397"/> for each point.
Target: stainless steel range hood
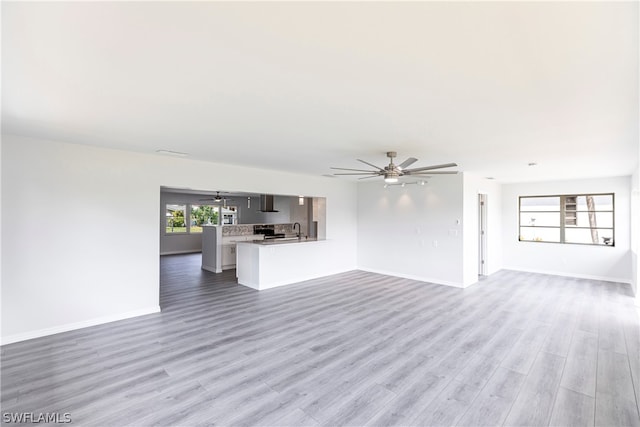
<point x="266" y="203"/>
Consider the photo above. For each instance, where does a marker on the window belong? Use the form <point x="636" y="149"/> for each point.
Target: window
<point x="576" y="218"/>
<point x="203" y="215"/>
<point x="187" y="218"/>
<point x="176" y="218"/>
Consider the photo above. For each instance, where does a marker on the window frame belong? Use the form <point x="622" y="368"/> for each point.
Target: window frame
<point x="191" y="205"/>
<point x="187" y="217"/>
<point x="184" y="218"/>
<point x="562" y="224"/>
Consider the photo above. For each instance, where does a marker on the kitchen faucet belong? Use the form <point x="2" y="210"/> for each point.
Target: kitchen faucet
<point x="299" y="234"/>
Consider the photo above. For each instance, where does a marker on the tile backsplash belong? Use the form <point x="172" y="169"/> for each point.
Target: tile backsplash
<point x="247" y="229"/>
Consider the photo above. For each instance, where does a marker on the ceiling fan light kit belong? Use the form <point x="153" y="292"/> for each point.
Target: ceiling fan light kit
<point x="391" y="177"/>
<point x="392" y="172"/>
<point x="421" y="183"/>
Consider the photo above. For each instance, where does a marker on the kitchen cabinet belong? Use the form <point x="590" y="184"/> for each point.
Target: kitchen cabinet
<point x="228" y="248"/>
<point x="218" y="251"/>
<point x="228" y="256"/>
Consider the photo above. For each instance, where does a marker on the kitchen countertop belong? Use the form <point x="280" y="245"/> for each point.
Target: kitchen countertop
<point x="283" y="241"/>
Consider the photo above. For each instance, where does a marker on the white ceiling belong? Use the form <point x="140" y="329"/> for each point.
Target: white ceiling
<point x="305" y="86"/>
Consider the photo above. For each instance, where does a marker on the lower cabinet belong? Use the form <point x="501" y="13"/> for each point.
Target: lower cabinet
<point x="228" y="248"/>
<point x="228" y="256"/>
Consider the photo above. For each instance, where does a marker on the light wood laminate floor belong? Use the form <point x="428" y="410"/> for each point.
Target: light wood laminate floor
<point x="355" y="349"/>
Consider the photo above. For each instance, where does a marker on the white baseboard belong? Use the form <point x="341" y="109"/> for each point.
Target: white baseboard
<point x="211" y="269"/>
<point x="77" y="325"/>
<point x="577" y="276"/>
<point x="191" y="251"/>
<point x="412" y="277"/>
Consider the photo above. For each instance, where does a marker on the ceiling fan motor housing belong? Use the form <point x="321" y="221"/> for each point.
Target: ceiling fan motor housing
<point x="392" y="171"/>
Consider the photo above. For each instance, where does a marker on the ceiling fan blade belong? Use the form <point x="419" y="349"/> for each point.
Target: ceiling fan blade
<point x="347" y="169"/>
<point x="359" y="173"/>
<point x="373" y="166"/>
<point x="426" y="173"/>
<point x="428" y="168"/>
<point x="367" y="177"/>
<point x="408" y="162"/>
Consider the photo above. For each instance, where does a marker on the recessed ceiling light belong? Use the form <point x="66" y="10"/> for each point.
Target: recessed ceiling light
<point x="489" y="177"/>
<point x="171" y="153"/>
<point x="532" y="164"/>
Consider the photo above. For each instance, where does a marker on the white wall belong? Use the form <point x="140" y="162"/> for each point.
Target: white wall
<point x="635" y="212"/>
<point x="635" y="232"/>
<point x="1" y="259"/>
<point x="397" y="228"/>
<point x="596" y="262"/>
<point x="80" y="240"/>
<point x="473" y="186"/>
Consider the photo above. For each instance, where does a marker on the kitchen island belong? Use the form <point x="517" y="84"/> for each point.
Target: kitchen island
<point x="219" y="242"/>
<point x="267" y="264"/>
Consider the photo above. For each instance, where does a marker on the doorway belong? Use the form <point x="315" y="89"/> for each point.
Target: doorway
<point x="482" y="234"/>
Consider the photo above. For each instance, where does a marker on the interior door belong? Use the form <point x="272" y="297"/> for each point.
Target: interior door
<point x="482" y="236"/>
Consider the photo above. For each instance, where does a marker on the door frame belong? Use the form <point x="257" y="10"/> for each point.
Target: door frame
<point x="482" y="234"/>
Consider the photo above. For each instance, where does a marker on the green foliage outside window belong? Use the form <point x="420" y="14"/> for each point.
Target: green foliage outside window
<point x="203" y="215"/>
<point x="187" y="218"/>
<point x="175" y="219"/>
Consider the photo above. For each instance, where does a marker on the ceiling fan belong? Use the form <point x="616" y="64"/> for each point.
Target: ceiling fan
<point x="217" y="199"/>
<point x="392" y="172"/>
